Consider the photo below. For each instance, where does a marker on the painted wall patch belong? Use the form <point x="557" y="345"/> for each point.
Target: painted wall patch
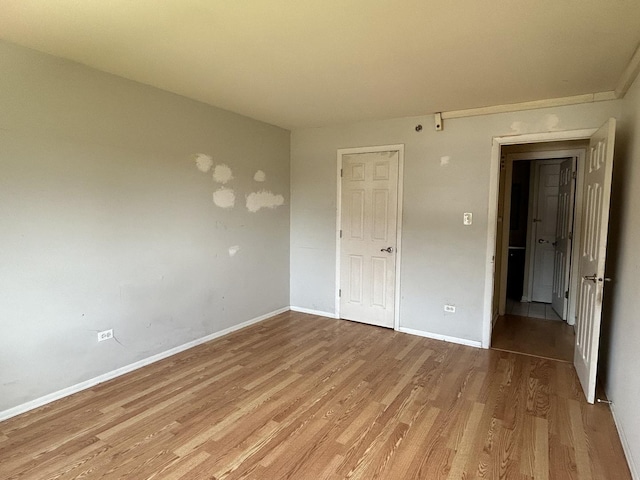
<point x="222" y="173"/>
<point x="224" y="198"/>
<point x="263" y="199"/>
<point x="204" y="162"/>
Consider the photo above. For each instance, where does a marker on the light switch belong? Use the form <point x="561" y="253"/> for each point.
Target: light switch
<point x="467" y="218"/>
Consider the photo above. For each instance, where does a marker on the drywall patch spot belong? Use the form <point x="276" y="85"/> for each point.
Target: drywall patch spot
<point x="548" y="123"/>
<point x="551" y="122"/>
<point x="204" y="162"/>
<point x="518" y="127"/>
<point x="222" y="173"/>
<point x="263" y="199"/>
<point x="233" y="250"/>
<point x="224" y="197"/>
<point x="444" y="161"/>
<point x="260" y="176"/>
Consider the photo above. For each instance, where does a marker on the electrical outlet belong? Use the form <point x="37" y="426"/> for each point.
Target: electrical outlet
<point x="450" y="308"/>
<point x="105" y="335"/>
<point x="467" y="218"/>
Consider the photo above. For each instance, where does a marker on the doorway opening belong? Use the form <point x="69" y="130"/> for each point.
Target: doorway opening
<point x="586" y="271"/>
<point x="535" y="291"/>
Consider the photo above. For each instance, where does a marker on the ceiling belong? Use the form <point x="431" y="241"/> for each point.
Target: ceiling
<point x="319" y="62"/>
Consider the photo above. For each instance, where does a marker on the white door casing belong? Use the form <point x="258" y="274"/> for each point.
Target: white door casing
<point x="368" y="240"/>
<point x="544" y="226"/>
<point x="593" y="248"/>
<point x="564" y="226"/>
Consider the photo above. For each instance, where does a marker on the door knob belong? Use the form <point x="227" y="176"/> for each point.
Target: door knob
<point x="388" y="249"/>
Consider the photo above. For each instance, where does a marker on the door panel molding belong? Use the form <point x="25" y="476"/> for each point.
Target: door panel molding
<point x="399" y="148"/>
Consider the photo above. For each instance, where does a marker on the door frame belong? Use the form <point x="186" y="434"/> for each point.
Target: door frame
<point x="373" y="149"/>
<point x="579" y="154"/>
<point x="492" y="217"/>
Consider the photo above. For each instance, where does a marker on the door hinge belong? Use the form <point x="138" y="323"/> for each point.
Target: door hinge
<point x="502" y="165"/>
<point x="340" y="292"/>
<point x="574" y="175"/>
<point x="566" y="294"/>
<point x="340" y="233"/>
<point x="570" y="236"/>
<point x="340" y="173"/>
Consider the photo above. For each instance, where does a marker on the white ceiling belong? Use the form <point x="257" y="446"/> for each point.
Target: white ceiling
<point x="317" y="62"/>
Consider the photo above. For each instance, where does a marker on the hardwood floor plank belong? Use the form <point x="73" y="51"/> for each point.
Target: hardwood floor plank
<point x="142" y="413"/>
<point x="180" y="468"/>
<point x="411" y="447"/>
<point x="304" y="397"/>
<point x="463" y="449"/>
<point x="528" y="447"/>
<point x="405" y="377"/>
<point x="579" y="441"/>
<point x="355" y="428"/>
<point x="541" y="450"/>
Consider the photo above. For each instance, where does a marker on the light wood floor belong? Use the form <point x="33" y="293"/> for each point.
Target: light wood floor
<point x="303" y="397"/>
<point x="552" y="339"/>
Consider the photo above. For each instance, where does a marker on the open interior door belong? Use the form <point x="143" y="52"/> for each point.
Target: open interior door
<point x="593" y="248"/>
<point x="564" y="218"/>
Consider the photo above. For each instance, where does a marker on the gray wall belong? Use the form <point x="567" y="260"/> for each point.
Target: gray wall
<point x="105" y="222"/>
<point x="442" y="260"/>
<point x="620" y="350"/>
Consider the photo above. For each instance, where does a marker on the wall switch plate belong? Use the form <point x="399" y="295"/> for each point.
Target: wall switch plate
<point x="467" y="218"/>
<point x="450" y="308"/>
<point x="105" y="335"/>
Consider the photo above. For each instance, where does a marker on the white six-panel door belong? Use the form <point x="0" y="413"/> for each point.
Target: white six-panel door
<point x="593" y="248"/>
<point x="544" y="224"/>
<point x="369" y="204"/>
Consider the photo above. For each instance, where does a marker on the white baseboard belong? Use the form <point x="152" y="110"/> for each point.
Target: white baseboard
<point x="625" y="445"/>
<point x="65" y="392"/>
<point x="310" y="311"/>
<point x="437" y="336"/>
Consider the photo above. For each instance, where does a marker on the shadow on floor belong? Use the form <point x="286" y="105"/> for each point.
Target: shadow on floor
<point x="531" y="309"/>
<point x="534" y="336"/>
